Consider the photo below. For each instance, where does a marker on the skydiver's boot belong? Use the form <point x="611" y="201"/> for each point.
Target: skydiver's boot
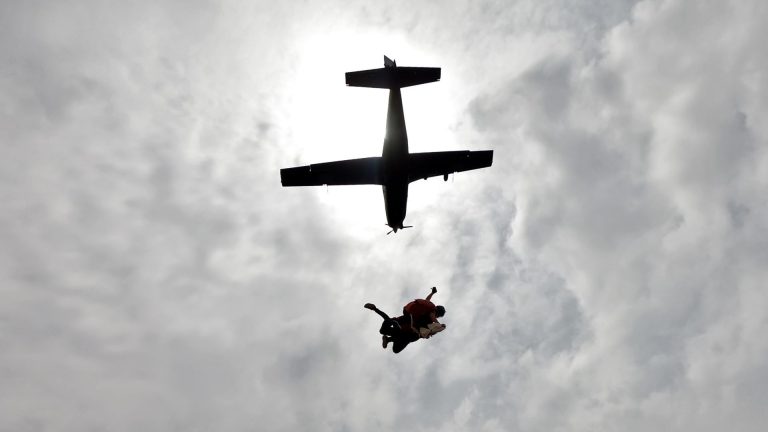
<point x="385" y="341"/>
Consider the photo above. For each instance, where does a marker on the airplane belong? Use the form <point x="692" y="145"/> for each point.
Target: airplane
<point x="396" y="168"/>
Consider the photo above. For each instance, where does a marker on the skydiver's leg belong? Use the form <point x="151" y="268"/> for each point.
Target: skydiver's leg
<point x="373" y="307"/>
<point x="388" y="323"/>
<point x="401" y="340"/>
<point x="399" y="345"/>
<point x="389" y="326"/>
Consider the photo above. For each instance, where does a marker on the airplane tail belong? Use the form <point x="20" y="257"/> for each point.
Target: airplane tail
<point x="392" y="76"/>
<point x="394" y="229"/>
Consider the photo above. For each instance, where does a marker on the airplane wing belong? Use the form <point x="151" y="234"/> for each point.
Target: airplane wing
<point x="423" y="165"/>
<point x="345" y="172"/>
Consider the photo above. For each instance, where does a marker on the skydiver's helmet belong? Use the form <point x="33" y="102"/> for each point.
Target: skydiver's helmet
<point x="439" y="311"/>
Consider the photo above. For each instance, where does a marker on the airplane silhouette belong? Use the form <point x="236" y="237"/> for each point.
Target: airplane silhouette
<point x="396" y="167"/>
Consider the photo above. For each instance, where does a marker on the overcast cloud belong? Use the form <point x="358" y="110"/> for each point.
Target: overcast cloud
<point x="606" y="274"/>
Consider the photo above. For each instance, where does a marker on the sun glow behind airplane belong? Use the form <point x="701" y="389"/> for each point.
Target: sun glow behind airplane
<point x="397" y="166"/>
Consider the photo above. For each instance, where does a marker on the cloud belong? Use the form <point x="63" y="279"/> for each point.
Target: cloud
<point x="631" y="163"/>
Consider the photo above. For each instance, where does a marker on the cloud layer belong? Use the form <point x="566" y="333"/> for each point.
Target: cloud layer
<point x="605" y="274"/>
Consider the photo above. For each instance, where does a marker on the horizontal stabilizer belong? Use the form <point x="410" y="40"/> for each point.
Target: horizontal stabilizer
<point x="424" y="165"/>
<point x="392" y="77"/>
<point x="345" y="172"/>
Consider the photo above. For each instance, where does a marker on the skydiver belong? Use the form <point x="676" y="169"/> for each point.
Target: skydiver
<point x="423" y="313"/>
<point x="419" y="320"/>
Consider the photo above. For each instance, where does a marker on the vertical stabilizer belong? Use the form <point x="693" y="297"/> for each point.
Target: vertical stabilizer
<point x="389" y="63"/>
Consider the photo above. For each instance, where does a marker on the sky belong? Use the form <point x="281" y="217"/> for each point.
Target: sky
<point x="607" y="273"/>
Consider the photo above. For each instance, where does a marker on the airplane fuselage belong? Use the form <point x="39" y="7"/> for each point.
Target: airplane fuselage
<point x="394" y="162"/>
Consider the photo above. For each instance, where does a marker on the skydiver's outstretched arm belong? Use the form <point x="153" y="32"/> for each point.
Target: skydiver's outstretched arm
<point x="373" y="307"/>
<point x="431" y="293"/>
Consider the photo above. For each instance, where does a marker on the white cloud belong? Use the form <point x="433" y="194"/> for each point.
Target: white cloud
<point x="642" y="179"/>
